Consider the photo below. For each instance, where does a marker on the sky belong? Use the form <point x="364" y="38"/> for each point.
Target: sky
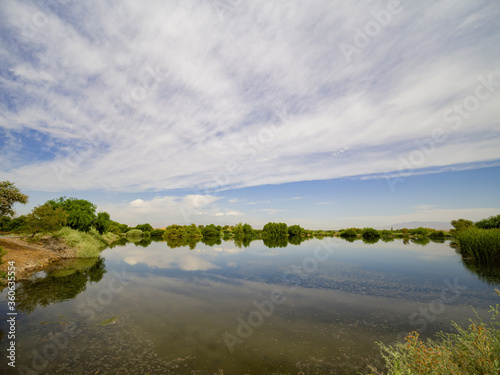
<point x="327" y="114"/>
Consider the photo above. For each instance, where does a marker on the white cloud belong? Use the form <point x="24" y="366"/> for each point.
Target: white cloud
<point x="190" y="97"/>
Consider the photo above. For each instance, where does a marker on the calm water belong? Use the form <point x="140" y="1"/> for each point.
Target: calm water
<point x="314" y="308"/>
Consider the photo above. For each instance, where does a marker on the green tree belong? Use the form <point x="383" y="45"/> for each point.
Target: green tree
<point x="145" y="227"/>
<point x="10" y="194"/>
<point x="490" y="223"/>
<point x="295" y="230"/>
<point x="275" y="230"/>
<point x="81" y="213"/>
<point x="46" y="218"/>
<point x="370" y="233"/>
<point x="102" y="222"/>
<point x="462" y="224"/>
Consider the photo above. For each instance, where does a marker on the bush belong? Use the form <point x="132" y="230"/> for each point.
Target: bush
<point x="157" y="233"/>
<point x="480" y="244"/>
<point x="370" y="233"/>
<point x="472" y="350"/>
<point x="493" y="222"/>
<point x="134" y="233"/>
<point x="87" y="245"/>
<point x="349" y="233"/>
<point x="437" y="234"/>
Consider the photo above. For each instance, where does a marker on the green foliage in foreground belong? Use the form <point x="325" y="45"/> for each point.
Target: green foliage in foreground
<point x="87" y="245"/>
<point x="472" y="350"/>
<point x="275" y="230"/>
<point x="480" y="244"/>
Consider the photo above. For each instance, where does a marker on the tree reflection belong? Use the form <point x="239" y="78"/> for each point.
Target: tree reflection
<point x="60" y="284"/>
<point x="421" y="240"/>
<point x="489" y="273"/>
<point x="272" y="242"/>
<point x="181" y="242"/>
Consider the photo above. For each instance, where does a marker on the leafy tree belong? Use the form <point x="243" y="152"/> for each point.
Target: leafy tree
<point x="490" y="223"/>
<point x="182" y="231"/>
<point x="144" y="227"/>
<point x="349" y="233"/>
<point x="295" y="230"/>
<point x="370" y="233"/>
<point x="15" y="225"/>
<point x="420" y="231"/>
<point x="46" y="218"/>
<point x="211" y="231"/>
<point x="275" y="230"/>
<point x="462" y="224"/>
<point x="102" y="222"/>
<point x="81" y="213"/>
<point x="10" y="194"/>
<point x="157" y="233"/>
<point x="248" y="230"/>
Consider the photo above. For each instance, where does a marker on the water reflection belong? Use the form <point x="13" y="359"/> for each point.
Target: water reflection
<point x="63" y="281"/>
<point x="489" y="273"/>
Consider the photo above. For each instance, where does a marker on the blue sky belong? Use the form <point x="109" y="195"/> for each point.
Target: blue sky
<point x="327" y="113"/>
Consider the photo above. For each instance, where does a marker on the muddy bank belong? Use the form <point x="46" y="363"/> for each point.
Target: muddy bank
<point x="30" y="257"/>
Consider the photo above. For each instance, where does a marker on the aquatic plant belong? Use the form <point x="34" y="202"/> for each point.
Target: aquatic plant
<point x="480" y="244"/>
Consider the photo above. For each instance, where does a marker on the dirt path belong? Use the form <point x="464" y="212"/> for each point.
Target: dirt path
<point x="32" y="257"/>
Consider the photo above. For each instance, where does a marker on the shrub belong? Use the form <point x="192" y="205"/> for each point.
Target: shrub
<point x="87" y="245"/>
<point x="490" y="223"/>
<point x="480" y="244"/>
<point x="370" y="233"/>
<point x="157" y="233"/>
<point x="134" y="233"/>
<point x="437" y="234"/>
<point x="349" y="233"/>
<point x="472" y="350"/>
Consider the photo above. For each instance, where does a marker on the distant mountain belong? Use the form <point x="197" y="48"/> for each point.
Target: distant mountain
<point x="440" y="225"/>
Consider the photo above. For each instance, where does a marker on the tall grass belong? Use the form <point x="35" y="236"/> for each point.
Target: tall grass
<point x="87" y="245"/>
<point x="472" y="350"/>
<point x="480" y="244"/>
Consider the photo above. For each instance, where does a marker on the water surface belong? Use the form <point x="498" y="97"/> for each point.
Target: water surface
<point x="314" y="308"/>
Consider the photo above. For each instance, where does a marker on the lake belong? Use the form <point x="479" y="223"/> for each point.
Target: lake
<point x="318" y="307"/>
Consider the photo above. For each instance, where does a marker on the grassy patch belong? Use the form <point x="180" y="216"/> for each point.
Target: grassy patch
<point x="87" y="245"/>
<point x="480" y="244"/>
<point x="472" y="350"/>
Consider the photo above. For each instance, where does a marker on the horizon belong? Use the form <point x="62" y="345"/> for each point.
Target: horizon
<point x="327" y="115"/>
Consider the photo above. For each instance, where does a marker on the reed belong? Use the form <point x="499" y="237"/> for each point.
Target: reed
<point x="480" y="244"/>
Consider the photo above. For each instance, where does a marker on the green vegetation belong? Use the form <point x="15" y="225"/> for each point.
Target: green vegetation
<point x="370" y="233"/>
<point x="10" y="194"/>
<point x="493" y="222"/>
<point x="134" y="234"/>
<point x="348" y="233"/>
<point x="275" y="230"/>
<point x="295" y="231"/>
<point x="46" y="219"/>
<point x="87" y="245"/>
<point x="471" y="350"/>
<point x="483" y="245"/>
<point x="182" y="231"/>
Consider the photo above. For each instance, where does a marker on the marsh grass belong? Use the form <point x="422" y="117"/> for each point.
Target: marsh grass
<point x="471" y="350"/>
<point x="87" y="245"/>
<point x="480" y="244"/>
